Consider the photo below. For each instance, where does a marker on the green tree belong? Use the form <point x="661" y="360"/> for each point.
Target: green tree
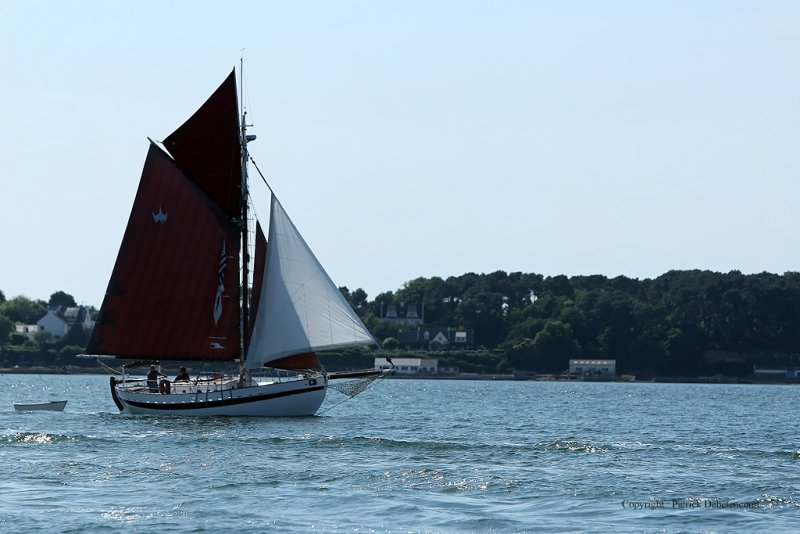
<point x="682" y="353"/>
<point x="524" y="329"/>
<point x="548" y="352"/>
<point x="6" y="327"/>
<point x="481" y="310"/>
<point x="554" y="346"/>
<point x="559" y="285"/>
<point x="380" y="301"/>
<point x="432" y="294"/>
<point x="43" y="339"/>
<point x="415" y="290"/>
<point x="59" y="298"/>
<point x="521" y="356"/>
<point x="24" y="310"/>
<point x="357" y="299"/>
<point x="76" y="336"/>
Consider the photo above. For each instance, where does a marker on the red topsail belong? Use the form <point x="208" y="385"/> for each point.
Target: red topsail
<point x="208" y="149"/>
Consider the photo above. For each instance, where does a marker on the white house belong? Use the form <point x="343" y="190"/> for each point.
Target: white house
<point x="59" y="321"/>
<point x="54" y="323"/>
<point x="28" y="329"/>
<point x="436" y="337"/>
<point x="410" y="366"/>
<point x="593" y="367"/>
<point x="407" y="313"/>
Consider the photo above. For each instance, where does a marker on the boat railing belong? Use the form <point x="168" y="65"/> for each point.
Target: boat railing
<point x="211" y="383"/>
<point x="271" y="375"/>
<point x="200" y="385"/>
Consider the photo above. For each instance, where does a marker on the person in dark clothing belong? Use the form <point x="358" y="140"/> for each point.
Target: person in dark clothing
<point x="182" y="375"/>
<point x="152" y="379"/>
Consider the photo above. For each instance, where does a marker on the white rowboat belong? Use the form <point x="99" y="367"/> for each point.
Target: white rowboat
<point x="52" y="406"/>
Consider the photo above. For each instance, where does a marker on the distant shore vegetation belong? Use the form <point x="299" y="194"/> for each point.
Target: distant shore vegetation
<point x="682" y="323"/>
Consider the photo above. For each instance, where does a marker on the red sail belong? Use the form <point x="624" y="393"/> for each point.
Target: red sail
<point x="297" y="362"/>
<point x="258" y="275"/>
<point x="174" y="291"/>
<point x="208" y="149"/>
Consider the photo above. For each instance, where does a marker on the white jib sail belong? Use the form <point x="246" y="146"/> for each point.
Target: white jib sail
<point x="300" y="309"/>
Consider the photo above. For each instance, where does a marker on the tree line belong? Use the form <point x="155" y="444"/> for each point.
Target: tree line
<point x="42" y="349"/>
<point x="682" y="323"/>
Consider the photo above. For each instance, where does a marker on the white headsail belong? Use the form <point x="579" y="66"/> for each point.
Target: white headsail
<point x="301" y="309"/>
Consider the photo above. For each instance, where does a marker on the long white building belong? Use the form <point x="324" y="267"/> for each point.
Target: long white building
<point x="593" y="367"/>
<point x="410" y="366"/>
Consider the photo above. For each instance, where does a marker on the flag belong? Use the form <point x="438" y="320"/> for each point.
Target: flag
<point x="223" y="263"/>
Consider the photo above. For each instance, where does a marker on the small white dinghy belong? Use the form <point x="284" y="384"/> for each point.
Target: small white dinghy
<point x="52" y="406"/>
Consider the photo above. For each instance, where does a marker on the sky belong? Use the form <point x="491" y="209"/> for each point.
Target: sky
<point x="417" y="138"/>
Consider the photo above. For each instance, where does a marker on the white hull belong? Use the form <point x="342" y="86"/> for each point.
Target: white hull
<point x="291" y="398"/>
<point x="53" y="406"/>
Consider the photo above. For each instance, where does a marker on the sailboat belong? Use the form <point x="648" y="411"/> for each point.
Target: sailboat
<point x="183" y="288"/>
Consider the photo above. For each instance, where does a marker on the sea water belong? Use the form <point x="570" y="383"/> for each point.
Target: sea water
<point x="410" y="456"/>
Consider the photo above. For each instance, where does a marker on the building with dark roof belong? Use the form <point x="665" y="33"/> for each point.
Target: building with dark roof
<point x="436" y="338"/>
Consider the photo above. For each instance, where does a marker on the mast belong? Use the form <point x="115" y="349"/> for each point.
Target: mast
<point x="245" y="229"/>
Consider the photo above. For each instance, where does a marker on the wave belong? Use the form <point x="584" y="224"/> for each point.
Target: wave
<point x="38" y="438"/>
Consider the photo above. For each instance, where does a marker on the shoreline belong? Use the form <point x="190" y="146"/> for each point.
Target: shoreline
<point x="497" y="377"/>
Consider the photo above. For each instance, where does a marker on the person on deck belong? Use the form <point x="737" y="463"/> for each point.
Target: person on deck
<point x="182" y="375"/>
<point x="152" y="379"/>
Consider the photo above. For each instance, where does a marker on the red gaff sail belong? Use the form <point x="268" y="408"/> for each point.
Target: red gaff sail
<point x="174" y="291"/>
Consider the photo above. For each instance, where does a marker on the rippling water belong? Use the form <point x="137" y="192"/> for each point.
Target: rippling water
<point x="410" y="456"/>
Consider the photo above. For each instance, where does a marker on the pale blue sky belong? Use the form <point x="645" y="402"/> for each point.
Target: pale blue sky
<point x="418" y="138"/>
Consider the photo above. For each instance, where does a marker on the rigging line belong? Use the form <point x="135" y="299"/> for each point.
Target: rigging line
<point x="261" y="174"/>
<point x="110" y="369"/>
<point x="253" y="213"/>
<point x="334" y="406"/>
